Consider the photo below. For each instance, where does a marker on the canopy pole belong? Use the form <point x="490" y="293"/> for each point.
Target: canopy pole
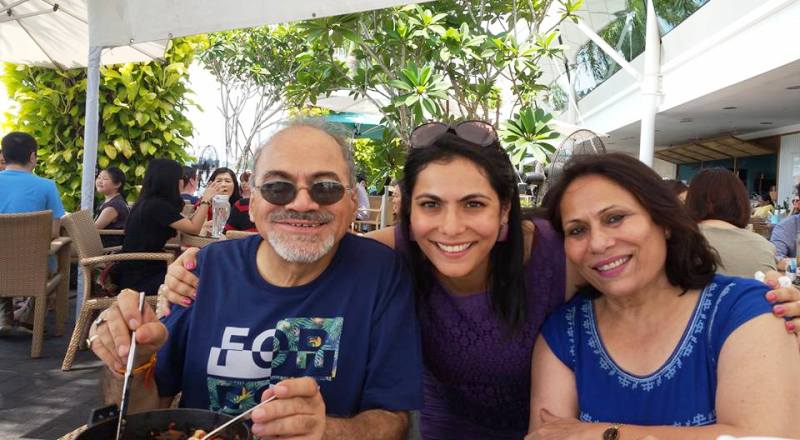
<point x="650" y="87"/>
<point x="90" y="130"/>
<point x="91" y="127"/>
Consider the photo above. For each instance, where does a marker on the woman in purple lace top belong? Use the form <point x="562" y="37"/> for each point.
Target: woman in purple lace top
<point x="484" y="279"/>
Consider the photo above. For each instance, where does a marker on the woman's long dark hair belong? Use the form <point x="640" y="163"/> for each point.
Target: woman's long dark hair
<point x="691" y="262"/>
<point x="506" y="277"/>
<point x="161" y="180"/>
<point x="237" y="193"/>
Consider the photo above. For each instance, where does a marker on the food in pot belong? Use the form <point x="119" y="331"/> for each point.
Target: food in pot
<point x="173" y="433"/>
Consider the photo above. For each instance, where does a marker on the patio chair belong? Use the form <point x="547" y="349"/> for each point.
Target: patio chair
<point x="25" y="245"/>
<point x="91" y="256"/>
<point x="373" y="220"/>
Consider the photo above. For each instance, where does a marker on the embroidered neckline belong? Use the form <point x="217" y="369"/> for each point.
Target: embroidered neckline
<point x="670" y="367"/>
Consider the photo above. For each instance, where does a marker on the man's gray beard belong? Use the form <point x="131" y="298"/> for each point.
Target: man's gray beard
<point x="300" y="249"/>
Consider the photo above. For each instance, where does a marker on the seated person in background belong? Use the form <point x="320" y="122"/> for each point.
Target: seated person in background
<point x="678" y="188"/>
<point x="114" y="211"/>
<point x="656" y="341"/>
<point x="303" y="303"/>
<point x="784" y="237"/>
<point x="189" y="185"/>
<point x="362" y="197"/>
<point x="244" y="184"/>
<point x="154" y="219"/>
<point x="238" y="217"/>
<point x="765" y="207"/>
<point x="795" y="205"/>
<point x="21" y="191"/>
<point x="718" y="201"/>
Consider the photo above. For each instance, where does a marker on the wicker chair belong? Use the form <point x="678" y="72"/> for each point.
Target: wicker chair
<point x="25" y="245"/>
<point x="373" y="220"/>
<point x="92" y="255"/>
<point x="232" y="235"/>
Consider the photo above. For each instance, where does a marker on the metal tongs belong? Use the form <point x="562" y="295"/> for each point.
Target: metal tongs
<point x="243" y="416"/>
<point x="126" y="387"/>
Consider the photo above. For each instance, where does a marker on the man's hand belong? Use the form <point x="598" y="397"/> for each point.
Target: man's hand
<point x="298" y="412"/>
<point x="786" y="301"/>
<point x="110" y="335"/>
<point x="180" y="285"/>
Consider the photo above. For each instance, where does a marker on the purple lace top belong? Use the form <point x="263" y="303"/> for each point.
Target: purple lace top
<point x="477" y="376"/>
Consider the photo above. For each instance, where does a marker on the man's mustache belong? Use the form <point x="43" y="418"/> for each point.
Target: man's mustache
<point x="310" y="216"/>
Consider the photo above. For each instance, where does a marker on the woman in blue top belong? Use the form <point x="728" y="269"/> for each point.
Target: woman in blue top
<point x="656" y="343"/>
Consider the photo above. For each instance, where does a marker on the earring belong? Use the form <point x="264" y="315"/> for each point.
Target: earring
<point x="503" y="234"/>
<point x="668" y="234"/>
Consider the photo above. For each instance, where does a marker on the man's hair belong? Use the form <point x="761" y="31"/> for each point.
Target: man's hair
<point x="17" y="148"/>
<point x="189" y="173"/>
<point x="338" y="132"/>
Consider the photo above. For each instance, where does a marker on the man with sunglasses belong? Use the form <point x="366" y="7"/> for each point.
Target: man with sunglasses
<point x="321" y="318"/>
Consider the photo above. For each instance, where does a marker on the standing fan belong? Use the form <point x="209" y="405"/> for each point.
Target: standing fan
<point x="207" y="163"/>
<point x="579" y="142"/>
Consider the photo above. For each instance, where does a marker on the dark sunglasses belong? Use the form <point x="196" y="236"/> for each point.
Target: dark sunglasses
<point x="282" y="192"/>
<point x="477" y="132"/>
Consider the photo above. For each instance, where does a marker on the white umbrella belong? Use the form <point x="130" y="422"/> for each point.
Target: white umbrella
<point x="55" y="33"/>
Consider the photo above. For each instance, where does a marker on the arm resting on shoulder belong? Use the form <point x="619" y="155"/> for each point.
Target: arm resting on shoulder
<point x="385" y="235"/>
<point x="375" y="424"/>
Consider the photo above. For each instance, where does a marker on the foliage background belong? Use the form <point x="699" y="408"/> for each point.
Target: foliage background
<point x="142" y="116"/>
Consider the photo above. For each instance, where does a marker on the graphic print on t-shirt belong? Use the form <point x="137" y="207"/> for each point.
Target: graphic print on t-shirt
<point x="247" y="361"/>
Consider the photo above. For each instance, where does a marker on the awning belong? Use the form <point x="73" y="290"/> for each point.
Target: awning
<point x="704" y="150"/>
<point x="363" y="125"/>
<point x="123" y="22"/>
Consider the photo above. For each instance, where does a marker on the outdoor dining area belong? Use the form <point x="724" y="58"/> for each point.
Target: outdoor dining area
<point x="399" y="220"/>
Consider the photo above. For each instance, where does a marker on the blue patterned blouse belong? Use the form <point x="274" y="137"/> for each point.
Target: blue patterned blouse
<point x="681" y="392"/>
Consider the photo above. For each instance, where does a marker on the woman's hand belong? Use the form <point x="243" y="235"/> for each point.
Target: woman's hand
<point x="786" y="301"/>
<point x="180" y="285"/>
<point x="559" y="428"/>
<point x="211" y="190"/>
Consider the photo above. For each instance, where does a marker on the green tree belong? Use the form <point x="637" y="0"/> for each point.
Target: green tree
<point x="142" y="116"/>
<point x="442" y="60"/>
<point x="253" y="67"/>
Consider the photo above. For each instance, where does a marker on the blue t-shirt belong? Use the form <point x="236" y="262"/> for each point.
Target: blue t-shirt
<point x="680" y="393"/>
<point x="21" y="191"/>
<point x="353" y="329"/>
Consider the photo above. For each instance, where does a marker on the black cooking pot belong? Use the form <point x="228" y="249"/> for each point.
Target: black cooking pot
<point x="103" y="423"/>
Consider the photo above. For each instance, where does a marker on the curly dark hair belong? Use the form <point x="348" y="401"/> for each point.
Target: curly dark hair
<point x="691" y="263"/>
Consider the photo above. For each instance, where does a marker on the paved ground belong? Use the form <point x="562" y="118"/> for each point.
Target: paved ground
<point x="37" y="399"/>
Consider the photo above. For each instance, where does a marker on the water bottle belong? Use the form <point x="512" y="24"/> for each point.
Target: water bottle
<point x="220" y="209"/>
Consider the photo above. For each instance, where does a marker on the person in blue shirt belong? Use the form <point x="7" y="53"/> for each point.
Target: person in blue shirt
<point x="656" y="343"/>
<point x="22" y="191"/>
<point x="306" y="311"/>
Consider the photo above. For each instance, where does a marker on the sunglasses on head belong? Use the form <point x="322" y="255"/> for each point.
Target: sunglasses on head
<point x="477" y="132"/>
<point x="283" y="192"/>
